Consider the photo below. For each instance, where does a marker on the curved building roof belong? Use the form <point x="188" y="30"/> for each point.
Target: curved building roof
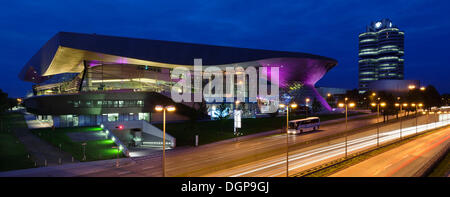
<point x="66" y="51"/>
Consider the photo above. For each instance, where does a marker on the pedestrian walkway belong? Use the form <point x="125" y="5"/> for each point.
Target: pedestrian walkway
<point x="41" y="151"/>
<point x="34" y="123"/>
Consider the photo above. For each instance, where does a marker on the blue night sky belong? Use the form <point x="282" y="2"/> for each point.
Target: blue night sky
<point x="328" y="28"/>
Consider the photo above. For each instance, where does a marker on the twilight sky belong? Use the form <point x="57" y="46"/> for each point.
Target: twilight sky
<point x="328" y="28"/>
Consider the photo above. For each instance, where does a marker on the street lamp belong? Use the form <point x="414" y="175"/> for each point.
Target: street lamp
<point x="416" y="105"/>
<point x="169" y="108"/>
<point x="293" y="106"/>
<point x="378" y="121"/>
<point x="400" y="111"/>
<point x="84" y="150"/>
<point x="119" y="148"/>
<point x="306" y="104"/>
<point x="422" y="88"/>
<point x="346" y="105"/>
<point x="412" y="87"/>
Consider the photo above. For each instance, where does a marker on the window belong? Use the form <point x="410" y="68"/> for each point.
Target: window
<point x="144" y="116"/>
<point x="113" y="117"/>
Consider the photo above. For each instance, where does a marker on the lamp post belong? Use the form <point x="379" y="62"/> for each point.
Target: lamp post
<point x="346" y="105"/>
<point x="399" y="105"/>
<point x="169" y="108"/>
<point x="378" y="121"/>
<point x="437" y="118"/>
<point x="293" y="106"/>
<point x="117" y="154"/>
<point x="415" y="106"/>
<point x="84" y="150"/>
<point x="306" y="104"/>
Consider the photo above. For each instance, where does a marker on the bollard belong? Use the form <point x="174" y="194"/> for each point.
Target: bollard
<point x="73" y="159"/>
<point x="59" y="161"/>
<point x="196" y="140"/>
<point x="35" y="164"/>
<point x="28" y="156"/>
<point x="45" y="163"/>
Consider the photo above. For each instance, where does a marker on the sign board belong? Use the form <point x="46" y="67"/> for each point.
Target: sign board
<point x="237" y="118"/>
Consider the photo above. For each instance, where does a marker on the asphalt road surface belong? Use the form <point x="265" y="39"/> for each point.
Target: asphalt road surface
<point x="403" y="161"/>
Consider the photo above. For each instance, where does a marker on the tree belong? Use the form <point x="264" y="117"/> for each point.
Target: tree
<point x="331" y="100"/>
<point x="445" y="99"/>
<point x="222" y="113"/>
<point x="198" y="112"/>
<point x="4" y="101"/>
<point x="431" y="97"/>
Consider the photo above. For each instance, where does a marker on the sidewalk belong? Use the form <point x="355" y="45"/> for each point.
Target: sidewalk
<point x="40" y="150"/>
<point x="32" y="123"/>
<point x="69" y="170"/>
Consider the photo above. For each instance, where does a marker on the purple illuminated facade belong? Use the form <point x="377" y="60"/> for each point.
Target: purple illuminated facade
<point x="79" y="67"/>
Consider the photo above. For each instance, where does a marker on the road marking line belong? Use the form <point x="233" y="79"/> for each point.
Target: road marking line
<point x="122" y="173"/>
<point x="387" y="166"/>
<point x="146" y="168"/>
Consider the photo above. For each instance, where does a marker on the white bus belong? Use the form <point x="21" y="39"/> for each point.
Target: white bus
<point x="302" y="125"/>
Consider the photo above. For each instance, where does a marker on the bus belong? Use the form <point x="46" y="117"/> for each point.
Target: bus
<point x="302" y="125"/>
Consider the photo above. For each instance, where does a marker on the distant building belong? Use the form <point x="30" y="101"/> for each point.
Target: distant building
<point x="381" y="49"/>
<point x="327" y="91"/>
<point x="396" y="87"/>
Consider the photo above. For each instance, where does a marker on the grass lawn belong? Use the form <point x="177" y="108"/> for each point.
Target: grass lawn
<point x="95" y="149"/>
<point x="13" y="154"/>
<point x="212" y="131"/>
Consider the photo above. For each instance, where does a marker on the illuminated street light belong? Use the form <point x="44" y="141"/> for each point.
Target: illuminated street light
<point x="160" y="108"/>
<point x="346" y="105"/>
<point x="422" y="88"/>
<point x="411" y="87"/>
<point x="293" y="106"/>
<point x="378" y="121"/>
<point x="306" y="104"/>
<point x="400" y="110"/>
<point x="117" y="153"/>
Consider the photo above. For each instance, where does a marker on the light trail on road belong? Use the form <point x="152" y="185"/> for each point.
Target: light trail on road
<point x="276" y="166"/>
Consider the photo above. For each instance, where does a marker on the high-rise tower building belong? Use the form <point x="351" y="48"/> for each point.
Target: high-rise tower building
<point x="380" y="53"/>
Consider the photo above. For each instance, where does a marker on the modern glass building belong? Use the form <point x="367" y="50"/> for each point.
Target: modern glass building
<point x="87" y="79"/>
<point x="381" y="49"/>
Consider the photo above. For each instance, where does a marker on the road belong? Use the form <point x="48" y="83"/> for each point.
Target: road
<point x="306" y="158"/>
<point x="403" y="161"/>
